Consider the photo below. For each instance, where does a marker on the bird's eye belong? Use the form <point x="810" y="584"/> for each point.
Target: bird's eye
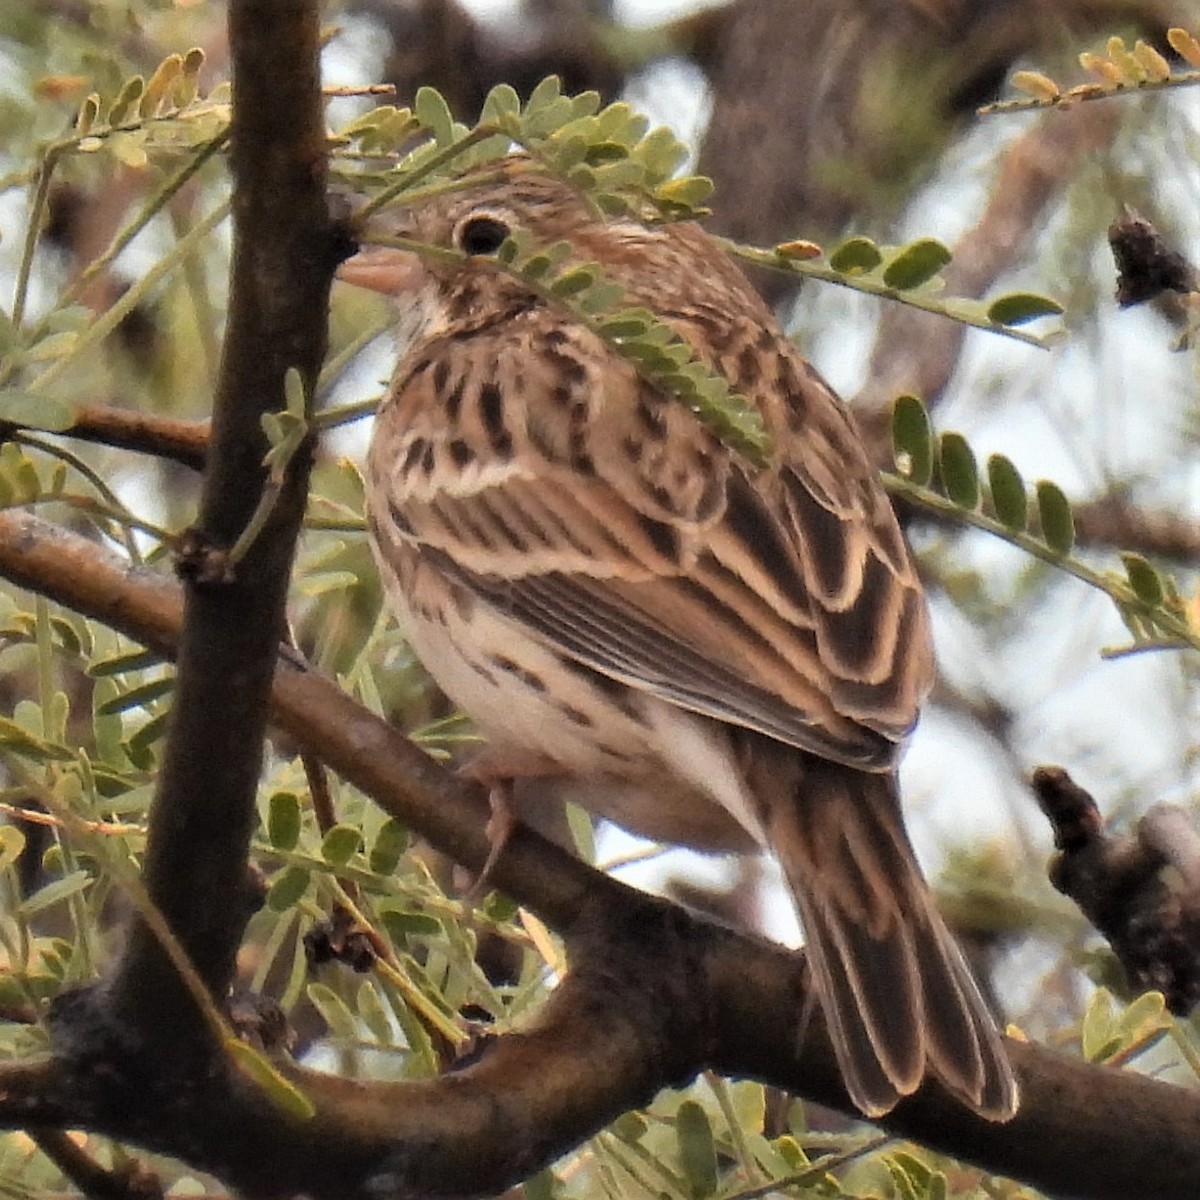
<point x="481" y="235"/>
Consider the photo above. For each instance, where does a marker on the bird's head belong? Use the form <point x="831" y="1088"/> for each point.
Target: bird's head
<point x="436" y="256"/>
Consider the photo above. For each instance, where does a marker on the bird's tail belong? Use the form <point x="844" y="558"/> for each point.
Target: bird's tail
<point x="898" y="998"/>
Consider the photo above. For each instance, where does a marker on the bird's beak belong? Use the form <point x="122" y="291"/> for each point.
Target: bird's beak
<point x="382" y="269"/>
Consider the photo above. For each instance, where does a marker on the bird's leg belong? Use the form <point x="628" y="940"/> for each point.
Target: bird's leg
<point x="497" y="770"/>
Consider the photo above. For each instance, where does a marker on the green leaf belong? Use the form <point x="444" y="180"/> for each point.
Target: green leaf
<point x="697" y="1150"/>
<point x="912" y="440"/>
<point x="389" y="846"/>
<point x="499" y="907"/>
<point x="287" y="889"/>
<point x="574" y="281"/>
<point x="138" y="697"/>
<point x="501" y="100"/>
<point x="12" y="842"/>
<point x="662" y="152"/>
<point x="1054" y="511"/>
<point x="159" y="84"/>
<point x="1145" y="1018"/>
<point x="689" y="192"/>
<point x="628" y="324"/>
<point x="283" y="820"/>
<point x="284" y="1094"/>
<point x="916" y="263"/>
<point x="54" y="893"/>
<point x="542" y="1186"/>
<point x="120" y="664"/>
<point x="546" y="92"/>
<point x="1143" y="578"/>
<point x="1015" y="308"/>
<point x="376" y="1018"/>
<point x="340" y="844"/>
<point x="960" y="477"/>
<point x="630" y="1127"/>
<point x="129" y="95"/>
<point x="855" y="256"/>
<point x="1009" y="497"/>
<point x="403" y="925"/>
<point x="434" y="113"/>
<point x="1097" y="1031"/>
<point x="22" y="741"/>
<point x="32" y="411"/>
<point x="341" y="1021"/>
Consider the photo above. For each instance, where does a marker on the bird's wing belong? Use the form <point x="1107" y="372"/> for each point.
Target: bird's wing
<point x="782" y="600"/>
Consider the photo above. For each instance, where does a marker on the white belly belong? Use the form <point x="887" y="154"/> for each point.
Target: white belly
<point x="652" y="767"/>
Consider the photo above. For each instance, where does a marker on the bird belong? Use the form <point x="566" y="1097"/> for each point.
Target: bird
<point x="707" y="649"/>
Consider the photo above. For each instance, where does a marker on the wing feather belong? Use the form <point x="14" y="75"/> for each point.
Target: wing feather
<point x="781" y="599"/>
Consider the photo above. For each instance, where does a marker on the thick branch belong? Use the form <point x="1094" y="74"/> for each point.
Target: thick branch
<point x="198" y="840"/>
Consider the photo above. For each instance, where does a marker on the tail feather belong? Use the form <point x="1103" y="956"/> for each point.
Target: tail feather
<point x="898" y="998"/>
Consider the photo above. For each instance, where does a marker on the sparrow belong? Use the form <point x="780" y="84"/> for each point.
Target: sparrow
<point x="709" y="650"/>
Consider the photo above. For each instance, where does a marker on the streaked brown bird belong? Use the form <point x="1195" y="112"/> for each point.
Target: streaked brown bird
<point x="708" y="652"/>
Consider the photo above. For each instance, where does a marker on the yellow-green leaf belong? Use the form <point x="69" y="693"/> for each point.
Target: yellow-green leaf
<point x="697" y="1150"/>
<point x="689" y="192"/>
<point x="1015" y="308"/>
<point x="287" y="889"/>
<point x="284" y="1094"/>
<point x="434" y="114"/>
<point x="12" y="842"/>
<point x="916" y="263"/>
<point x="1097" y="1031"/>
<point x="1036" y="84"/>
<point x="390" y="844"/>
<point x="32" y="411"/>
<point x="340" y="844"/>
<point x="855" y="256"/>
<point x="283" y="820"/>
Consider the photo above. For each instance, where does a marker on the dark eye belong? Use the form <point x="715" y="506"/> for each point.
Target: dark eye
<point x="481" y="235"/>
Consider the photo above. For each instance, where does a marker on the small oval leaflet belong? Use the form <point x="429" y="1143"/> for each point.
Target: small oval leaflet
<point x="1143" y="578"/>
<point x="697" y="1150"/>
<point x="390" y="843"/>
<point x="340" y="844"/>
<point x="283" y="820"/>
<point x="855" y="255"/>
<point x="916" y="263"/>
<point x="287" y="888"/>
<point x="1015" y="308"/>
<point x="912" y="439"/>
<point x="434" y="113"/>
<point x="960" y="477"/>
<point x="1054" y="510"/>
<point x="403" y="925"/>
<point x="1009" y="497"/>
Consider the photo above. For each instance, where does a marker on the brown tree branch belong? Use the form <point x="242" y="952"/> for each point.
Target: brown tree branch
<point x="176" y="440"/>
<point x="655" y="995"/>
<point x="1148" y="914"/>
<point x="201" y="820"/>
<point x="129" y="1182"/>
